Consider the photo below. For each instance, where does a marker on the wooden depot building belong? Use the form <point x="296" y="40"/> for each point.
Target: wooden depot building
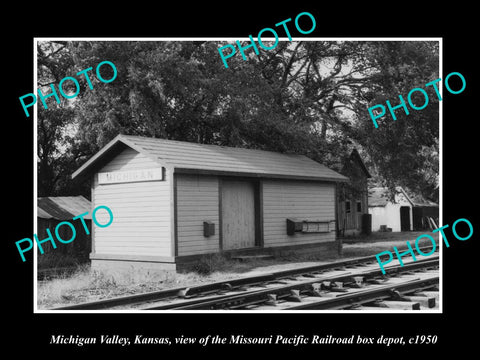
<point x="174" y="201"/>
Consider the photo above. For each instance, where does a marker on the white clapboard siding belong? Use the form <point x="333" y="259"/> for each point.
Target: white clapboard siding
<point x="197" y="201"/>
<point x="141" y="211"/>
<point x="298" y="199"/>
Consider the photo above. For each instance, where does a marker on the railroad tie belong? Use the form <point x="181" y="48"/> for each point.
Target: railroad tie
<point x="183" y="293"/>
<point x="272" y="299"/>
<point x="358" y="281"/>
<point x="434" y="294"/>
<point x="402" y="305"/>
<point x="227" y="287"/>
<point x="326" y="287"/>
<point x="396" y="295"/>
<point x="315" y="289"/>
<point x="424" y="301"/>
<point x="294" y="296"/>
<point x="337" y="286"/>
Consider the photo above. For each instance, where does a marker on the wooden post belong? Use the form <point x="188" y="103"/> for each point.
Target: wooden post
<point x="338" y="238"/>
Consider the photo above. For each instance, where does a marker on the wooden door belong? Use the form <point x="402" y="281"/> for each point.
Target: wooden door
<point x="238" y="214"/>
<point x="405" y="218"/>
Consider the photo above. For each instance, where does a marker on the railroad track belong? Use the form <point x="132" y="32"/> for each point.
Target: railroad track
<point x="356" y="284"/>
<point x="337" y="290"/>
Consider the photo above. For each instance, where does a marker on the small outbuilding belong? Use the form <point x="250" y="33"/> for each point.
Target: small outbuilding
<point x="174" y="201"/>
<point x="352" y="197"/>
<point x="395" y="213"/>
<point x="54" y="209"/>
<point x="424" y="211"/>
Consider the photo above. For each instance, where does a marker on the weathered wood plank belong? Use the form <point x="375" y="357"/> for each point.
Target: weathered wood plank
<point x="238" y="214"/>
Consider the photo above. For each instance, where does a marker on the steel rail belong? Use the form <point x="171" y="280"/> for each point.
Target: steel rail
<point x="260" y="296"/>
<point x="180" y="292"/>
<point x="368" y="295"/>
<point x="221" y="287"/>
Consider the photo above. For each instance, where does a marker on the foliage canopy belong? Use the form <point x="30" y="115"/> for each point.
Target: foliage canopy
<point x="308" y="97"/>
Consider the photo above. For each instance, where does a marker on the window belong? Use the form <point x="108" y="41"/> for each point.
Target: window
<point x="359" y="206"/>
<point x="347" y="207"/>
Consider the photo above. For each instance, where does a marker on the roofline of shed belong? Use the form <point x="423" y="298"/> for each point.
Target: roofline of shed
<point x="406" y="195"/>
<point x="401" y="190"/>
<point x="415" y="204"/>
<point x="82" y="170"/>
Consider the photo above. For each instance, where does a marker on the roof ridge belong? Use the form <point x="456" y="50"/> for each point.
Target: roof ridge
<point x="211" y="145"/>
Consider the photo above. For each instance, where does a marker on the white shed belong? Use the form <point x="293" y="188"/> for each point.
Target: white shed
<point x="396" y="214"/>
<point x="174" y="201"/>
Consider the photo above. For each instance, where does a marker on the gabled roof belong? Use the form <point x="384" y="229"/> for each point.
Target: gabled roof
<point x="63" y="207"/>
<point x="187" y="157"/>
<point x="378" y="196"/>
<point x="356" y="156"/>
<point x="419" y="200"/>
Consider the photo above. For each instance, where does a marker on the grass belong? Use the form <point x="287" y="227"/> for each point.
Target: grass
<point x="85" y="284"/>
<point x="209" y="264"/>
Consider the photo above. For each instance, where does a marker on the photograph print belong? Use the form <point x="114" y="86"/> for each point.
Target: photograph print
<point x="300" y="178"/>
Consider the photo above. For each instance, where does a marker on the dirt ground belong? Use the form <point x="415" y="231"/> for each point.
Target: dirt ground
<point x="87" y="285"/>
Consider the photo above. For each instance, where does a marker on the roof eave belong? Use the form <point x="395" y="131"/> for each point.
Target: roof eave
<point x="114" y="146"/>
<point x="181" y="170"/>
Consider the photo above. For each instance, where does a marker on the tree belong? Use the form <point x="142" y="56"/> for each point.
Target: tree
<point x="301" y="97"/>
<point x="330" y="86"/>
<point x="400" y="149"/>
<point x="53" y="63"/>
